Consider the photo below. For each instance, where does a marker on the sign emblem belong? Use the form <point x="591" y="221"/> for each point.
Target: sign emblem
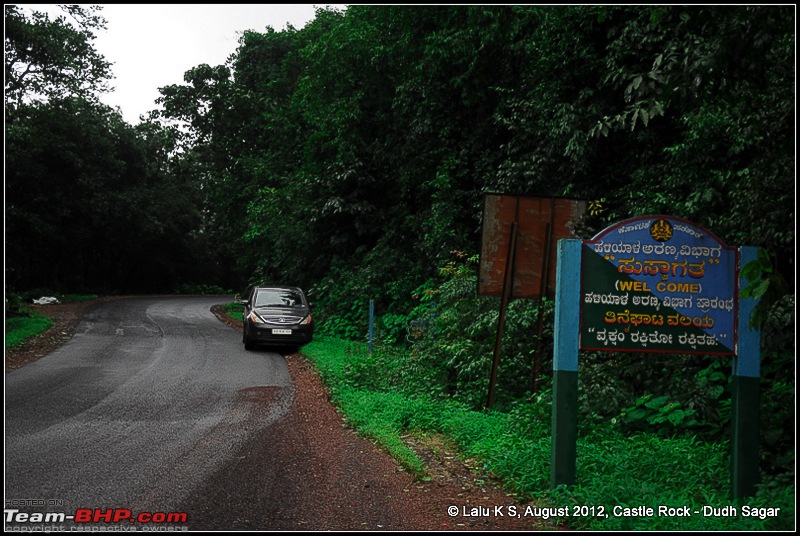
<point x="661" y="230"/>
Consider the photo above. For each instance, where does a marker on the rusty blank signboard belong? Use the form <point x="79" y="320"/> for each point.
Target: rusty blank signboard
<point x="536" y="217"/>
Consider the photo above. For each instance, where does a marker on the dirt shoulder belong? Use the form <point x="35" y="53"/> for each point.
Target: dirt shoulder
<point x="340" y="481"/>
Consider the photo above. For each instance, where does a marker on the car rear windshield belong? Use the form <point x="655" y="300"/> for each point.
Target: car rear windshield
<point x="279" y="298"/>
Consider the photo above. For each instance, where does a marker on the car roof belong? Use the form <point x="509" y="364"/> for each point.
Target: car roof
<point x="275" y="287"/>
<point x="281" y="288"/>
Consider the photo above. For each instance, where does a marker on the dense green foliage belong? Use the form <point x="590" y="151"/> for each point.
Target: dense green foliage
<point x="92" y="203"/>
<point x="615" y="469"/>
<point x="350" y="157"/>
<point x="662" y="394"/>
<point x="354" y="152"/>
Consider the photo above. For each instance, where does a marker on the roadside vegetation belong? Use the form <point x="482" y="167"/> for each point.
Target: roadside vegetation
<point x="233" y="310"/>
<point x="25" y="326"/>
<point x="615" y="468"/>
<point x="23" y="322"/>
<point x="654" y="431"/>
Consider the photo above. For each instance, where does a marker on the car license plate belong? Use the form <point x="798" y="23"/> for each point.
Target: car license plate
<point x="281" y="331"/>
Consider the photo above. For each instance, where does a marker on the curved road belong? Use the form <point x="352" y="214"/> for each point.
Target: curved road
<point x="150" y="397"/>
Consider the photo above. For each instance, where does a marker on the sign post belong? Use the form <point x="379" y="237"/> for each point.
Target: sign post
<point x="565" y="365"/>
<point x="654" y="284"/>
<point x="501" y="320"/>
<point x="745" y="402"/>
<point x="517" y="241"/>
<point x="371" y="322"/>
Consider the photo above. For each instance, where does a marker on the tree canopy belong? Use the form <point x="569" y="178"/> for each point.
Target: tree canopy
<point x="53" y="59"/>
<point x="367" y="138"/>
<point x="353" y="153"/>
<point x="92" y="203"/>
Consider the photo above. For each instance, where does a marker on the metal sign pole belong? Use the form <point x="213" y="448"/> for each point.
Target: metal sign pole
<point x="501" y="321"/>
<point x="543" y="281"/>
<point x="371" y="322"/>
<point x="745" y="402"/>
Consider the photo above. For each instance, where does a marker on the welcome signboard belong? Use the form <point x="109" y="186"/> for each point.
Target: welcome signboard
<point x="655" y="284"/>
<point x="658" y="284"/>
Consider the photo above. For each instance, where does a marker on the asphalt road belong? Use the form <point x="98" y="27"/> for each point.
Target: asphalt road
<point x="147" y="400"/>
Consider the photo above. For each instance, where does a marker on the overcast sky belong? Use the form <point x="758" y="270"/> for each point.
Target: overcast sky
<point x="152" y="45"/>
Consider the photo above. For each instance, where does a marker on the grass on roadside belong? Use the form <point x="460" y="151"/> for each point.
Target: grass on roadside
<point x="613" y="470"/>
<point x="21" y="328"/>
<point x="26" y="322"/>
<point x="234" y="310"/>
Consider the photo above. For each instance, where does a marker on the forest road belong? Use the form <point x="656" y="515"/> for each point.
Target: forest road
<point x="138" y="409"/>
<point x="154" y="416"/>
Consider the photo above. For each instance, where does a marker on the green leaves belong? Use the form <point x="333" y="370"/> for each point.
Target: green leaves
<point x="764" y="283"/>
<point x="659" y="414"/>
<point x="757" y="273"/>
<point x="53" y="59"/>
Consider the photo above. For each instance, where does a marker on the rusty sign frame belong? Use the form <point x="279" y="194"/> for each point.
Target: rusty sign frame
<point x="541" y="223"/>
<point x="517" y="230"/>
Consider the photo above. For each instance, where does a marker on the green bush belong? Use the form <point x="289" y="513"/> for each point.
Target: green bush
<point x="342" y="297"/>
<point x="203" y="289"/>
<point x="391" y="328"/>
<point x="659" y="414"/>
<point x="458" y="339"/>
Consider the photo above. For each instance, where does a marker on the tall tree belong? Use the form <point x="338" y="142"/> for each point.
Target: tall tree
<point x="53" y="58"/>
<point x="91" y="202"/>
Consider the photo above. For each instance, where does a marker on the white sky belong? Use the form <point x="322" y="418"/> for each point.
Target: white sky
<point x="152" y="45"/>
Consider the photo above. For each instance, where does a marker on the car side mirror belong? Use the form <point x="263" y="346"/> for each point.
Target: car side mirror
<point x="311" y="305"/>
